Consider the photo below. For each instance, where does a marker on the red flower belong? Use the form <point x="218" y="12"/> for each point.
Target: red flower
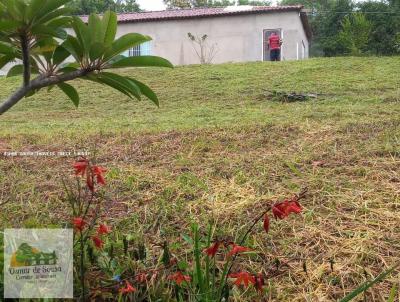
<point x="266" y="223"/>
<point x="103" y="229"/>
<point x="244" y="278"/>
<point x="141" y="278"/>
<point x="212" y="250"/>
<point x="127" y="289"/>
<point x="259" y="284"/>
<point x="79" y="223"/>
<point x="282" y="209"/>
<point x="178" y="277"/>
<point x="99" y="173"/>
<point x="98" y="242"/>
<point x="80" y="166"/>
<point x="237" y="249"/>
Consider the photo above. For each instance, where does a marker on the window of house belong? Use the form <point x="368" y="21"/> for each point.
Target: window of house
<point x="134" y="52"/>
<point x="303" y="50"/>
<point x="140" y="50"/>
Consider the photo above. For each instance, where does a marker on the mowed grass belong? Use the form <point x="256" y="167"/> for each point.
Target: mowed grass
<point x="219" y="149"/>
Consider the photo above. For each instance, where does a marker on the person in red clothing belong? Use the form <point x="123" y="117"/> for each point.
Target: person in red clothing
<point x="275" y="46"/>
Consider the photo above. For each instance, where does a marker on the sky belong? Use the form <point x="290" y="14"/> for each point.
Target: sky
<point x="151" y="4"/>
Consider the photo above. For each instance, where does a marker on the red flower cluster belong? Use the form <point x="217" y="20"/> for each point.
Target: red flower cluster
<point x="98" y="242"/>
<point x="236" y="249"/>
<point x="101" y="230"/>
<point x="282" y="210"/>
<point x="85" y="169"/>
<point x="141" y="278"/>
<point x="245" y="279"/>
<point x="127" y="289"/>
<point x="212" y="250"/>
<point x="79" y="223"/>
<point x="178" y="277"/>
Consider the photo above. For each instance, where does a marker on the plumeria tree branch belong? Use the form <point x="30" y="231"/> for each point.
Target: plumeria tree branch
<point x="38" y="83"/>
<point x="33" y="31"/>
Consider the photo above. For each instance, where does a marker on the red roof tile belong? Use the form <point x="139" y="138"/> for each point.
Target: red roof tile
<point x="198" y="13"/>
<point x="209" y="12"/>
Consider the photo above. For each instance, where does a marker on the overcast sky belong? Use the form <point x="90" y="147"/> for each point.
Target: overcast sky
<point x="151" y="4"/>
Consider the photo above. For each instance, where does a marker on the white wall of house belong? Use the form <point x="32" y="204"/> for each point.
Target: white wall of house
<point x="236" y="38"/>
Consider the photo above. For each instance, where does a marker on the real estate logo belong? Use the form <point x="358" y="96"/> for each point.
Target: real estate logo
<point x="29" y="256"/>
<point x="38" y="263"/>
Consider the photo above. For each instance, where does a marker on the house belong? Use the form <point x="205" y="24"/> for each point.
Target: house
<point x="230" y="34"/>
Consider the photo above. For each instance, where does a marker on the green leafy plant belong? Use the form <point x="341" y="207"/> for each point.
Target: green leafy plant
<point x="207" y="279"/>
<point x="34" y="32"/>
<point x="122" y="268"/>
<point x="86" y="203"/>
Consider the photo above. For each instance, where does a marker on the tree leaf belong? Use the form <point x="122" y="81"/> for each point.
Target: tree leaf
<point x="127" y="84"/>
<point x="109" y="25"/>
<point x="143" y="61"/>
<point x="44" y="30"/>
<point x="96" y="51"/>
<point x="95" y="29"/>
<point x="55" y="14"/>
<point x="7" y="25"/>
<point x="124" y="43"/>
<point x="72" y="45"/>
<point x="15" y="8"/>
<point x="49" y="8"/>
<point x="60" y="54"/>
<point x="15" y="71"/>
<point x="147" y="91"/>
<point x="34" y="7"/>
<point x="119" y="83"/>
<point x="109" y="82"/>
<point x="82" y="34"/>
<point x="6" y="49"/>
<point x="4" y="60"/>
<point x="60" y="22"/>
<point x="70" y="92"/>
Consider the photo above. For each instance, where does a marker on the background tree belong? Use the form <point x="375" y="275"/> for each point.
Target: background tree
<point x="86" y="7"/>
<point x="355" y="34"/>
<point x="33" y="32"/>
<point x="385" y="20"/>
<point x="205" y="52"/>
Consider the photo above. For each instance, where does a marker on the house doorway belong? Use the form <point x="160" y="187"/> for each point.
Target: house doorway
<point x="266" y="50"/>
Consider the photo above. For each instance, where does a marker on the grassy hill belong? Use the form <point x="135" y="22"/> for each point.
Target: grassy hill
<point x="220" y="147"/>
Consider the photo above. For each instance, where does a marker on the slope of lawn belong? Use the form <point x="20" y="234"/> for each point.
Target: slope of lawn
<point x="220" y="148"/>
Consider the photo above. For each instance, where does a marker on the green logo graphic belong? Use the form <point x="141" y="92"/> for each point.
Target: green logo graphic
<point x="30" y="256"/>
